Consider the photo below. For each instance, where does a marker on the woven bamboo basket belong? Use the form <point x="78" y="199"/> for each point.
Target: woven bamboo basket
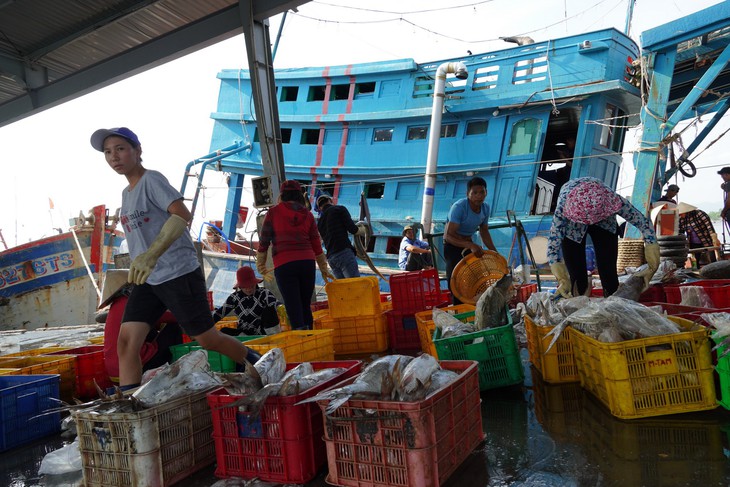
<point x="630" y="254"/>
<point x="473" y="275"/>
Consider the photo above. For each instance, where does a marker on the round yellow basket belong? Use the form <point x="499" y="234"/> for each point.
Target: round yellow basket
<point x="473" y="275"/>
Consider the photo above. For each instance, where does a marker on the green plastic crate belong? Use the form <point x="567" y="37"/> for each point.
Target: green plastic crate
<point x="218" y="362"/>
<point x="723" y="371"/>
<point x="495" y="349"/>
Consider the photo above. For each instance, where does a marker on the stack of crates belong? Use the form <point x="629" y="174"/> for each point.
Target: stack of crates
<point x="415" y="444"/>
<point x="284" y="443"/>
<point x="426" y="326"/>
<point x="63" y="365"/>
<point x="89" y="365"/>
<point x="412" y="292"/>
<point x="495" y="350"/>
<point x="651" y="376"/>
<point x="356" y="316"/>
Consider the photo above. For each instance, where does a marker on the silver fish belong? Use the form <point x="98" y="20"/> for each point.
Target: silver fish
<point x="413" y="382"/>
<point x="439" y="379"/>
<point x="190" y="373"/>
<point x="305" y="383"/>
<point x="376" y="380"/>
<point x="631" y="288"/>
<point x="491" y="307"/>
<point x="271" y="366"/>
<point x="241" y="383"/>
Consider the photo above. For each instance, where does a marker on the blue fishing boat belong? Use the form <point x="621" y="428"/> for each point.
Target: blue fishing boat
<point x="347" y="130"/>
<point x="408" y="136"/>
<point x="54" y="281"/>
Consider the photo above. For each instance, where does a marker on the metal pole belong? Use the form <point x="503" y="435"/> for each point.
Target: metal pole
<point x="434" y="137"/>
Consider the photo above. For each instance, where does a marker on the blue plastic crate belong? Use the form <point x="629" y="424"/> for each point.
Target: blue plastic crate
<point x="21" y="398"/>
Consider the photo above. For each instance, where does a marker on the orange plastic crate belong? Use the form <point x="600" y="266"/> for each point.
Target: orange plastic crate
<point x="64" y="365"/>
<point x="405" y="444"/>
<point x="426" y="327"/>
<point x="356" y="335"/>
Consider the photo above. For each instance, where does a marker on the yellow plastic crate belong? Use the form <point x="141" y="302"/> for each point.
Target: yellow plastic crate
<point x="97" y="340"/>
<point x="227" y="322"/>
<point x="652" y="376"/>
<point x="426" y="326"/>
<point x="356" y="335"/>
<point x="353" y="297"/>
<point x="298" y="345"/>
<point x="34" y="352"/>
<point x="556" y="366"/>
<point x="9" y="372"/>
<point x="63" y="365"/>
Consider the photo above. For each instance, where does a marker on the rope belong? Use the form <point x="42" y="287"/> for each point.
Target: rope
<point x="86" y="264"/>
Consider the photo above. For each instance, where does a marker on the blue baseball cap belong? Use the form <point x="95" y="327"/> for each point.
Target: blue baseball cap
<point x="98" y="137"/>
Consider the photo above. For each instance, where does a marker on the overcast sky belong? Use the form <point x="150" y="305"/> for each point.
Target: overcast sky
<point x="48" y="155"/>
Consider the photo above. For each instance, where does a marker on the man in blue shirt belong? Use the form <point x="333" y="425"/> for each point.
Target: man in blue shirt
<point x="414" y="254"/>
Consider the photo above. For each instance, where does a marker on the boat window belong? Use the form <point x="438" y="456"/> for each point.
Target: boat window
<point x="310" y="136"/>
<point x="316" y="93"/>
<point x="423" y="86"/>
<point x="417" y="133"/>
<point x="357" y="136"/>
<point x="383" y="135"/>
<point x="525" y="137"/>
<point x="333" y="136"/>
<point x="612" y="130"/>
<point x="476" y="127"/>
<point x="449" y="130"/>
<point x="485" y="78"/>
<point x="285" y="136"/>
<point x="289" y="93"/>
<point x="374" y="190"/>
<point x="365" y="88"/>
<point x="339" y="92"/>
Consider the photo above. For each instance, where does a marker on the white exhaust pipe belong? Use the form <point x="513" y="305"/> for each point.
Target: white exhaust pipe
<point x="434" y="137"/>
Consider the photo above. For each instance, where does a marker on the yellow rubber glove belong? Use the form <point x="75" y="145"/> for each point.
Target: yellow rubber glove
<point x="561" y="274"/>
<point x="651" y="254"/>
<point x="261" y="266"/>
<point x="144" y="263"/>
<point x="323" y="268"/>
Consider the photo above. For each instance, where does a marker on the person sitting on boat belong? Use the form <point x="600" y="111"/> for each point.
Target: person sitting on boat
<point x="334" y="225"/>
<point x="289" y="229"/>
<point x="465" y="217"/>
<point x="671" y="194"/>
<point x="165" y="269"/>
<point x="255" y="306"/>
<point x="414" y="254"/>
<point x="155" y="351"/>
<point x="586" y="206"/>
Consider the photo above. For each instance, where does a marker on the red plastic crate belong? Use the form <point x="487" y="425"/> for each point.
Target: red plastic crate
<point x="523" y="293"/>
<point x="403" y="331"/>
<point x="692" y="313"/>
<point x="406" y="444"/>
<point x="284" y="444"/>
<point x="718" y="290"/>
<point x="416" y="291"/>
<point x="654" y="293"/>
<point x="89" y="367"/>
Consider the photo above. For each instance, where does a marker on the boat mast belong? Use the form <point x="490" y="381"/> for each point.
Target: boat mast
<point x="629" y="16"/>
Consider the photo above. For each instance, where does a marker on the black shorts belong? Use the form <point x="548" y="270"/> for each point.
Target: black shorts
<point x="185" y="296"/>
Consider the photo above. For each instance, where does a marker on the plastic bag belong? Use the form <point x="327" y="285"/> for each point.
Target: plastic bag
<point x="695" y="296"/>
<point x="718" y="321"/>
<point x="66" y="459"/>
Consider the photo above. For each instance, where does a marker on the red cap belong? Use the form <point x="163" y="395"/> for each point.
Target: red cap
<point x="290" y="185"/>
<point x="245" y="277"/>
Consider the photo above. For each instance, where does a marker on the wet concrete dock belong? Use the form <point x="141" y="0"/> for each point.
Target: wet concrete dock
<point x="536" y="435"/>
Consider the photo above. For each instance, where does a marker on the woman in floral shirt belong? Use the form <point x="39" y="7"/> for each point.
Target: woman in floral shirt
<point x="587" y="206"/>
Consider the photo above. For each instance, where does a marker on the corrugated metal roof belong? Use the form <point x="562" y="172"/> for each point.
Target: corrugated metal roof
<point x="49" y="49"/>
